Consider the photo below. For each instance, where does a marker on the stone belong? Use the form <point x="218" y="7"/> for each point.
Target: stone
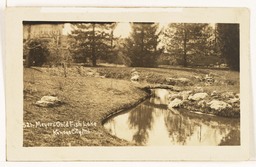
<point x="214" y="93"/>
<point x="208" y="79"/>
<point x="133" y="70"/>
<point x="227" y="95"/>
<point x="48" y="101"/>
<point x="185" y="94"/>
<point x="90" y="73"/>
<point x="175" y="103"/>
<point x="199" y="90"/>
<point x="218" y="105"/>
<point x="202" y="103"/>
<point x="135" y="75"/>
<point x="174" y="81"/>
<point x="223" y="65"/>
<point x="135" y="78"/>
<point x="197" y="77"/>
<point x="173" y="96"/>
<point x="233" y="100"/>
<point x="183" y="80"/>
<point x="198" y="96"/>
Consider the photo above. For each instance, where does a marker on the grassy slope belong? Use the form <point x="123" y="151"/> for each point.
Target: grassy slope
<point x="86" y="99"/>
<point x="90" y="99"/>
<point x="226" y="80"/>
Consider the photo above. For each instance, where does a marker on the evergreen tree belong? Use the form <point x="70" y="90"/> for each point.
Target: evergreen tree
<point x="228" y="41"/>
<point x="142" y="45"/>
<point x="92" y="40"/>
<point x="187" y="41"/>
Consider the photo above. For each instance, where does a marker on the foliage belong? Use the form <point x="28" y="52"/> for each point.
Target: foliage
<point x="92" y="41"/>
<point x="228" y="39"/>
<point x="35" y="51"/>
<point x="142" y="45"/>
<point x="59" y="54"/>
<point x="38" y="52"/>
<point x="188" y="41"/>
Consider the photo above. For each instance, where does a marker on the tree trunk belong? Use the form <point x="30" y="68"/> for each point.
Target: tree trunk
<point x="142" y="63"/>
<point x="93" y="46"/>
<point x="185" y="47"/>
<point x="27" y="59"/>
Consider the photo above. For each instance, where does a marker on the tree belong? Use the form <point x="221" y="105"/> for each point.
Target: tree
<point x="228" y="41"/>
<point x="187" y="41"/>
<point x="35" y="51"/>
<point x="92" y="40"/>
<point x="142" y="45"/>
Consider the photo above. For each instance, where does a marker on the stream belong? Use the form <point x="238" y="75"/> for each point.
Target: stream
<point x="151" y="123"/>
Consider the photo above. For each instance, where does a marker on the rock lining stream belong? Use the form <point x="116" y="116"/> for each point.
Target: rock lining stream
<point x="152" y="123"/>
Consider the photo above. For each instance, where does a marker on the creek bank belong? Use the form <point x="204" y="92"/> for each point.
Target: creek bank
<point x="122" y="108"/>
<point x="220" y="104"/>
<point x="186" y="95"/>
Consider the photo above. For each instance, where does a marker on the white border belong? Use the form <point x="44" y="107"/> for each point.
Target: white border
<point x="134" y="3"/>
<point x="14" y="93"/>
<point x="2" y="97"/>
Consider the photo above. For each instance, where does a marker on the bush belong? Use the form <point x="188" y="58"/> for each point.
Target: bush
<point x="35" y="52"/>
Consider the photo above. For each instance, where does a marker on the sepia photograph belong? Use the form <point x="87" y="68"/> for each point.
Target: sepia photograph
<point x="131" y="84"/>
<point x="127" y="84"/>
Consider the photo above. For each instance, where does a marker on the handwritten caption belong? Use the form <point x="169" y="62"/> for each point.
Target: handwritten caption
<point x="63" y="127"/>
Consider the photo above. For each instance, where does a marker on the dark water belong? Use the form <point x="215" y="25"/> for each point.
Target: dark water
<point x="152" y="123"/>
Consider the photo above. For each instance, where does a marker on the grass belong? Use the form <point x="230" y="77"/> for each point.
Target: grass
<point x="227" y="80"/>
<point x="90" y="99"/>
<point x="85" y="99"/>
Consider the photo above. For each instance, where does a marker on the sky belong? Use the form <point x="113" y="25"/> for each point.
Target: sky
<point x="123" y="29"/>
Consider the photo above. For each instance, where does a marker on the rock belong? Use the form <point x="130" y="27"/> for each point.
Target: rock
<point x="198" y="96"/>
<point x="135" y="75"/>
<point x="90" y="73"/>
<point x="234" y="100"/>
<point x="199" y="90"/>
<point x="223" y="65"/>
<point x="202" y="103"/>
<point x="185" y="94"/>
<point x="177" y="81"/>
<point x="135" y="78"/>
<point x="197" y="77"/>
<point x="173" y="96"/>
<point x="48" y="101"/>
<point x="218" y="105"/>
<point x="133" y="70"/>
<point x="214" y="93"/>
<point x="227" y="95"/>
<point x="183" y="80"/>
<point x="175" y="103"/>
<point x="208" y="79"/>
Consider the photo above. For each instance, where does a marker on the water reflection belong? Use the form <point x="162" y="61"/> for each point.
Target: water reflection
<point x="141" y="122"/>
<point x="152" y="123"/>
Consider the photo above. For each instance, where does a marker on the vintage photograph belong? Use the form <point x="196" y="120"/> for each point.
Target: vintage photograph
<point x="131" y="84"/>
